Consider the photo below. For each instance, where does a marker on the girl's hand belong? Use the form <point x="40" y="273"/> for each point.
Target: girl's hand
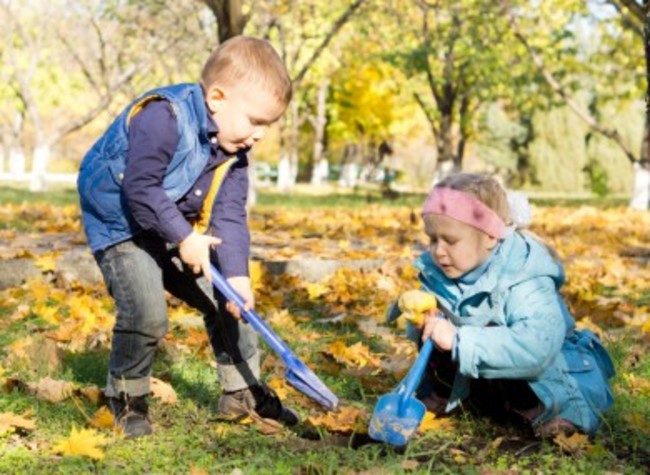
<point x="195" y="252"/>
<point x="441" y="331"/>
<point x="243" y="287"/>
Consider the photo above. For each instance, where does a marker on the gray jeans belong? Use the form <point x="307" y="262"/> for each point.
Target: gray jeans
<point x="137" y="273"/>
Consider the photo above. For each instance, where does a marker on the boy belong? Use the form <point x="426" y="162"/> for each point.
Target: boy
<point x="163" y="193"/>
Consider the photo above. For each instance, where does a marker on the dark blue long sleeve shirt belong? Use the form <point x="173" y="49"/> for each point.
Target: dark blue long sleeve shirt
<point x="153" y="137"/>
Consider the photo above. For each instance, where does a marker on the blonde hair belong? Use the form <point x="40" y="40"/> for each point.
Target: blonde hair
<point x="248" y="59"/>
<point x="484" y="188"/>
<point x="488" y="191"/>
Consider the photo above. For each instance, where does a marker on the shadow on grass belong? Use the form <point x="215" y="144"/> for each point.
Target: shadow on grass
<point x="190" y="379"/>
<point x="89" y="367"/>
<point x="194" y="380"/>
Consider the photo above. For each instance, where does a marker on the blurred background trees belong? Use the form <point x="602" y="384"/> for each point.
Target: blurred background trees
<point x="549" y="95"/>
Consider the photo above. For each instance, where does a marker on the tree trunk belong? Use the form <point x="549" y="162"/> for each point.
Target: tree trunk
<point x="320" y="122"/>
<point x="641" y="188"/>
<point x="41" y="156"/>
<point x="16" y="160"/>
<point x="350" y="166"/>
<point x="230" y="18"/>
<point x="288" y="165"/>
<point x="445" y="139"/>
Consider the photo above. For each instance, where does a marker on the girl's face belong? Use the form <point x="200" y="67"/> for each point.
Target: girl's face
<point x="456" y="247"/>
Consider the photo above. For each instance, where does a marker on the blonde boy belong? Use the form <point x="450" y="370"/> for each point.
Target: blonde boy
<point x="163" y="195"/>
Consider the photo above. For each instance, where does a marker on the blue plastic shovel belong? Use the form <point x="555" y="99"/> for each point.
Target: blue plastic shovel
<point x="298" y="373"/>
<point x="398" y="414"/>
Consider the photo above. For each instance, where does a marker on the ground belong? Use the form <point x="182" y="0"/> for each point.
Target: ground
<point x="55" y="331"/>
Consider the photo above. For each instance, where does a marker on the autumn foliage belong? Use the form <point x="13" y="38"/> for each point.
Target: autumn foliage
<point x="336" y="325"/>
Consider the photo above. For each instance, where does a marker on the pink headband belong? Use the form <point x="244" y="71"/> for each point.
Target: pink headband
<point x="465" y="208"/>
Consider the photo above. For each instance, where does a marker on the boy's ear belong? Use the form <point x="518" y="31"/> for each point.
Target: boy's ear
<point x="214" y="96"/>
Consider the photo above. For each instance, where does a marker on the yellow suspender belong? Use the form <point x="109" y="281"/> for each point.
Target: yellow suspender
<point x="202" y="221"/>
<point x="138" y="106"/>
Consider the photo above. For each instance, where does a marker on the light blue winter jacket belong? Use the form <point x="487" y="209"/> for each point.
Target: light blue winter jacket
<point x="513" y="324"/>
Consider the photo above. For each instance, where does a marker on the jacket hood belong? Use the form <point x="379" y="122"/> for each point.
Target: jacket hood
<point x="517" y="258"/>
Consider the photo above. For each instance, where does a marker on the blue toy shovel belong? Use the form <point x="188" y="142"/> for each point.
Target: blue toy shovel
<point x="398" y="414"/>
<point x="298" y="373"/>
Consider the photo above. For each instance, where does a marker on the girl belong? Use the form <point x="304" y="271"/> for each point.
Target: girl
<point x="508" y="343"/>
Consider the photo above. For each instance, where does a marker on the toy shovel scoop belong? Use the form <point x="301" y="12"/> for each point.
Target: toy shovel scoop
<point x="298" y="374"/>
<point x="398" y="414"/>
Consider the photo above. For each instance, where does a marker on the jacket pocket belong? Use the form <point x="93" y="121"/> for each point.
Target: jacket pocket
<point x="583" y="358"/>
<point x="104" y="190"/>
<point x="590" y="342"/>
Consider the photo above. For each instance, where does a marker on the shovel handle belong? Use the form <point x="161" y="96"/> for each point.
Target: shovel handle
<point x="415" y="373"/>
<point x="257" y="322"/>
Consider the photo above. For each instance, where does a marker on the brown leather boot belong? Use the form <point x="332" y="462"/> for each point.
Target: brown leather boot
<point x="131" y="414"/>
<point x="259" y="400"/>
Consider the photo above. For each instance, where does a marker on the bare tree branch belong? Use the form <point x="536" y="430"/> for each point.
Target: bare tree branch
<point x="635" y="9"/>
<point x="335" y="28"/>
<point x="633" y="23"/>
<point x="123" y="80"/>
<point x="77" y="58"/>
<point x="427" y="113"/>
<point x="611" y="134"/>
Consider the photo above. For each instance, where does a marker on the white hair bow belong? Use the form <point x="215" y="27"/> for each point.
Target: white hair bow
<point x="520" y="211"/>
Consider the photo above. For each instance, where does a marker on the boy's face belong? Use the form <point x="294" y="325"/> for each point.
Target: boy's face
<point x="243" y="113"/>
<point x="456" y="247"/>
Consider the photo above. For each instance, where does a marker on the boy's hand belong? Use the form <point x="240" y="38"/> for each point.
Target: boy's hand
<point x="243" y="287"/>
<point x="441" y="331"/>
<point x="195" y="252"/>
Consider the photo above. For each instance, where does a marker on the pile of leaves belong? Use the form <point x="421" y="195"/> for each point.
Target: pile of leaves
<point x="335" y="325"/>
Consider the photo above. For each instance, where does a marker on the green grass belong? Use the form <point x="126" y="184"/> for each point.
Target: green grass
<point x="57" y="196"/>
<point x="354" y="198"/>
<point x="190" y="435"/>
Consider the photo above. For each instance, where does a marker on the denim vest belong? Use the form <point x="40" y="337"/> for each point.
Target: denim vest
<point x="106" y="216"/>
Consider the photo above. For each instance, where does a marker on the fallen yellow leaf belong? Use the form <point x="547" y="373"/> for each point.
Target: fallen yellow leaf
<point x="163" y="391"/>
<point x="83" y="442"/>
<point x="10" y="420"/>
<point x="358" y="355"/>
<point x="637" y="384"/>
<point x="194" y="470"/>
<point x="280" y="386"/>
<point x="92" y="393"/>
<point x="346" y="419"/>
<point x="574" y="444"/>
<point x="638" y="421"/>
<point x="102" y="419"/>
<point x="430" y="423"/>
<point x="316" y="290"/>
<point x="47" y="262"/>
<point x="52" y="390"/>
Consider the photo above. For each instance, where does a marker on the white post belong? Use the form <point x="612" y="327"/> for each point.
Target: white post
<point x="16" y="161"/>
<point x="641" y="187"/>
<point x="39" y="167"/>
<point x="284" y="174"/>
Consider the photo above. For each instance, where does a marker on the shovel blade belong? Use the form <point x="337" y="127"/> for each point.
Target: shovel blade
<point x="395" y="419"/>
<point x="304" y="380"/>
